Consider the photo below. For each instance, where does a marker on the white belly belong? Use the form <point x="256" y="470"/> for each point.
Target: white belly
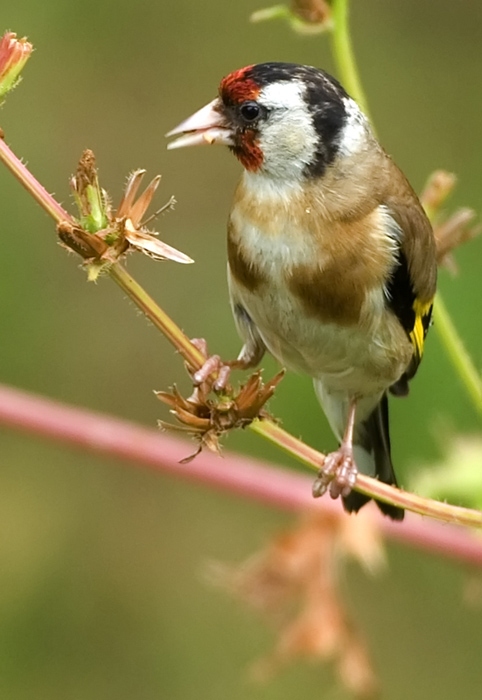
<point x="358" y="359"/>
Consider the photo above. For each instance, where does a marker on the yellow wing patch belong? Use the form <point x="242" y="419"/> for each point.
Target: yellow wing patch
<point x="423" y="313"/>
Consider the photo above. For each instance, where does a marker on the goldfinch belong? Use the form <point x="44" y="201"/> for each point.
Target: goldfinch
<point x="331" y="258"/>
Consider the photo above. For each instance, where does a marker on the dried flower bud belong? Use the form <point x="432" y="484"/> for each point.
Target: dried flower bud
<point x="304" y="16"/>
<point x="312" y="11"/>
<point x="452" y="232"/>
<point x="14" y="54"/>
<point x="207" y="417"/>
<point x="90" y="198"/>
<point x="438" y="187"/>
<point x="449" y="231"/>
<point x="102" y="236"/>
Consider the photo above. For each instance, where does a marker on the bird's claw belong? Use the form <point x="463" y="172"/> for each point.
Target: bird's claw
<point x="213" y="365"/>
<point x="201" y="345"/>
<point x="338" y="474"/>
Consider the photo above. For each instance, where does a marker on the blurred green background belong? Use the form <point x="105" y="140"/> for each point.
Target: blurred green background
<point x="101" y="591"/>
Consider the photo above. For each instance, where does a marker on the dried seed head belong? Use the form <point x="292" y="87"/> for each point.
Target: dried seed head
<point x="304" y="16"/>
<point x="312" y="11"/>
<point x="91" y="199"/>
<point x="449" y="231"/>
<point x="208" y="416"/>
<point x="103" y="237"/>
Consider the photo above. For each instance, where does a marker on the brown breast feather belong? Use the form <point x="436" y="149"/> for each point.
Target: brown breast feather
<point x="245" y="271"/>
<point x="341" y="229"/>
<point x="353" y="262"/>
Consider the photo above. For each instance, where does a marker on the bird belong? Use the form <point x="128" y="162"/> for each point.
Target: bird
<point x="331" y="257"/>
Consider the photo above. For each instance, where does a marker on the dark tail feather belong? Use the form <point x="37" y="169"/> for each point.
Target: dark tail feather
<point x="376" y="440"/>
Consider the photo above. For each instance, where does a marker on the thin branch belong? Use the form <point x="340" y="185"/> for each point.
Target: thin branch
<point x="457" y="352"/>
<point x="368" y="485"/>
<point x="345" y="56"/>
<point x="118" y="273"/>
<point x="195" y="358"/>
<point x="247" y="478"/>
<point x="31" y="184"/>
<point x="349" y="76"/>
<point x="157" y="316"/>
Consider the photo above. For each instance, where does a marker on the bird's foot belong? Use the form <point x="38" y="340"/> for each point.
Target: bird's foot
<point x="213" y="367"/>
<point x="338" y="474"/>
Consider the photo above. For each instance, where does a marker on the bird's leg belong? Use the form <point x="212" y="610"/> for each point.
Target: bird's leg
<point x="250" y="356"/>
<point x="339" y="470"/>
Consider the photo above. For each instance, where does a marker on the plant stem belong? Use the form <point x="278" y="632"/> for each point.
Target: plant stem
<point x="157" y="315"/>
<point x="368" y="485"/>
<point x="458" y="354"/>
<point x="118" y="273"/>
<point x="344" y="55"/>
<point x="349" y="76"/>
<point x="195" y="359"/>
<point x="274" y="433"/>
<point x="247" y="478"/>
<point x="31" y="184"/>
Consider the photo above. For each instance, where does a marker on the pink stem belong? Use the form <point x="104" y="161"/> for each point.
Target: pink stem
<point x="245" y="477"/>
<point x="31" y="184"/>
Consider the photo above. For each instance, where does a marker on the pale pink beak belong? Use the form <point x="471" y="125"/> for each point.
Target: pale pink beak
<point x="206" y="126"/>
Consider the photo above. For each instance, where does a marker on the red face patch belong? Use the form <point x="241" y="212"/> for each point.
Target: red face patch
<point x="238" y="87"/>
<point x="248" y="152"/>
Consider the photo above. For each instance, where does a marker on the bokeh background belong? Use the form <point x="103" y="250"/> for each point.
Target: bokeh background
<point x="101" y="590"/>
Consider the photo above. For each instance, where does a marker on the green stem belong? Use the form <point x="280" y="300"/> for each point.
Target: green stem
<point x="368" y="485"/>
<point x="349" y="76"/>
<point x="274" y="433"/>
<point x="31" y="184"/>
<point x="157" y="316"/>
<point x="344" y="55"/>
<point x="268" y="429"/>
<point x="458" y="354"/>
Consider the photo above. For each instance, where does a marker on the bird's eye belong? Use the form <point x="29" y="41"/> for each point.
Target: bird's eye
<point x="250" y="111"/>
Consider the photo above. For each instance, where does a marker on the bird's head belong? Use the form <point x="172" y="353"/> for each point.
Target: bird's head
<point x="281" y="119"/>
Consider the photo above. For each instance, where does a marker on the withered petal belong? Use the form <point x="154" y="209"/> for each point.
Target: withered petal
<point x="140" y="207"/>
<point x="133" y="183"/>
<point x="191" y="419"/>
<point x="153" y="247"/>
<point x="164" y="425"/>
<point x="168" y="399"/>
<point x="87" y="245"/>
<point x="211" y="441"/>
<point x="273" y="383"/>
<point x="189" y="458"/>
<point x="174" y="399"/>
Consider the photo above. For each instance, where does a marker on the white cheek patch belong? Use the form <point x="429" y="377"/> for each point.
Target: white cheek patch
<point x="283" y="94"/>
<point x="289" y="140"/>
<point x="353" y="136"/>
